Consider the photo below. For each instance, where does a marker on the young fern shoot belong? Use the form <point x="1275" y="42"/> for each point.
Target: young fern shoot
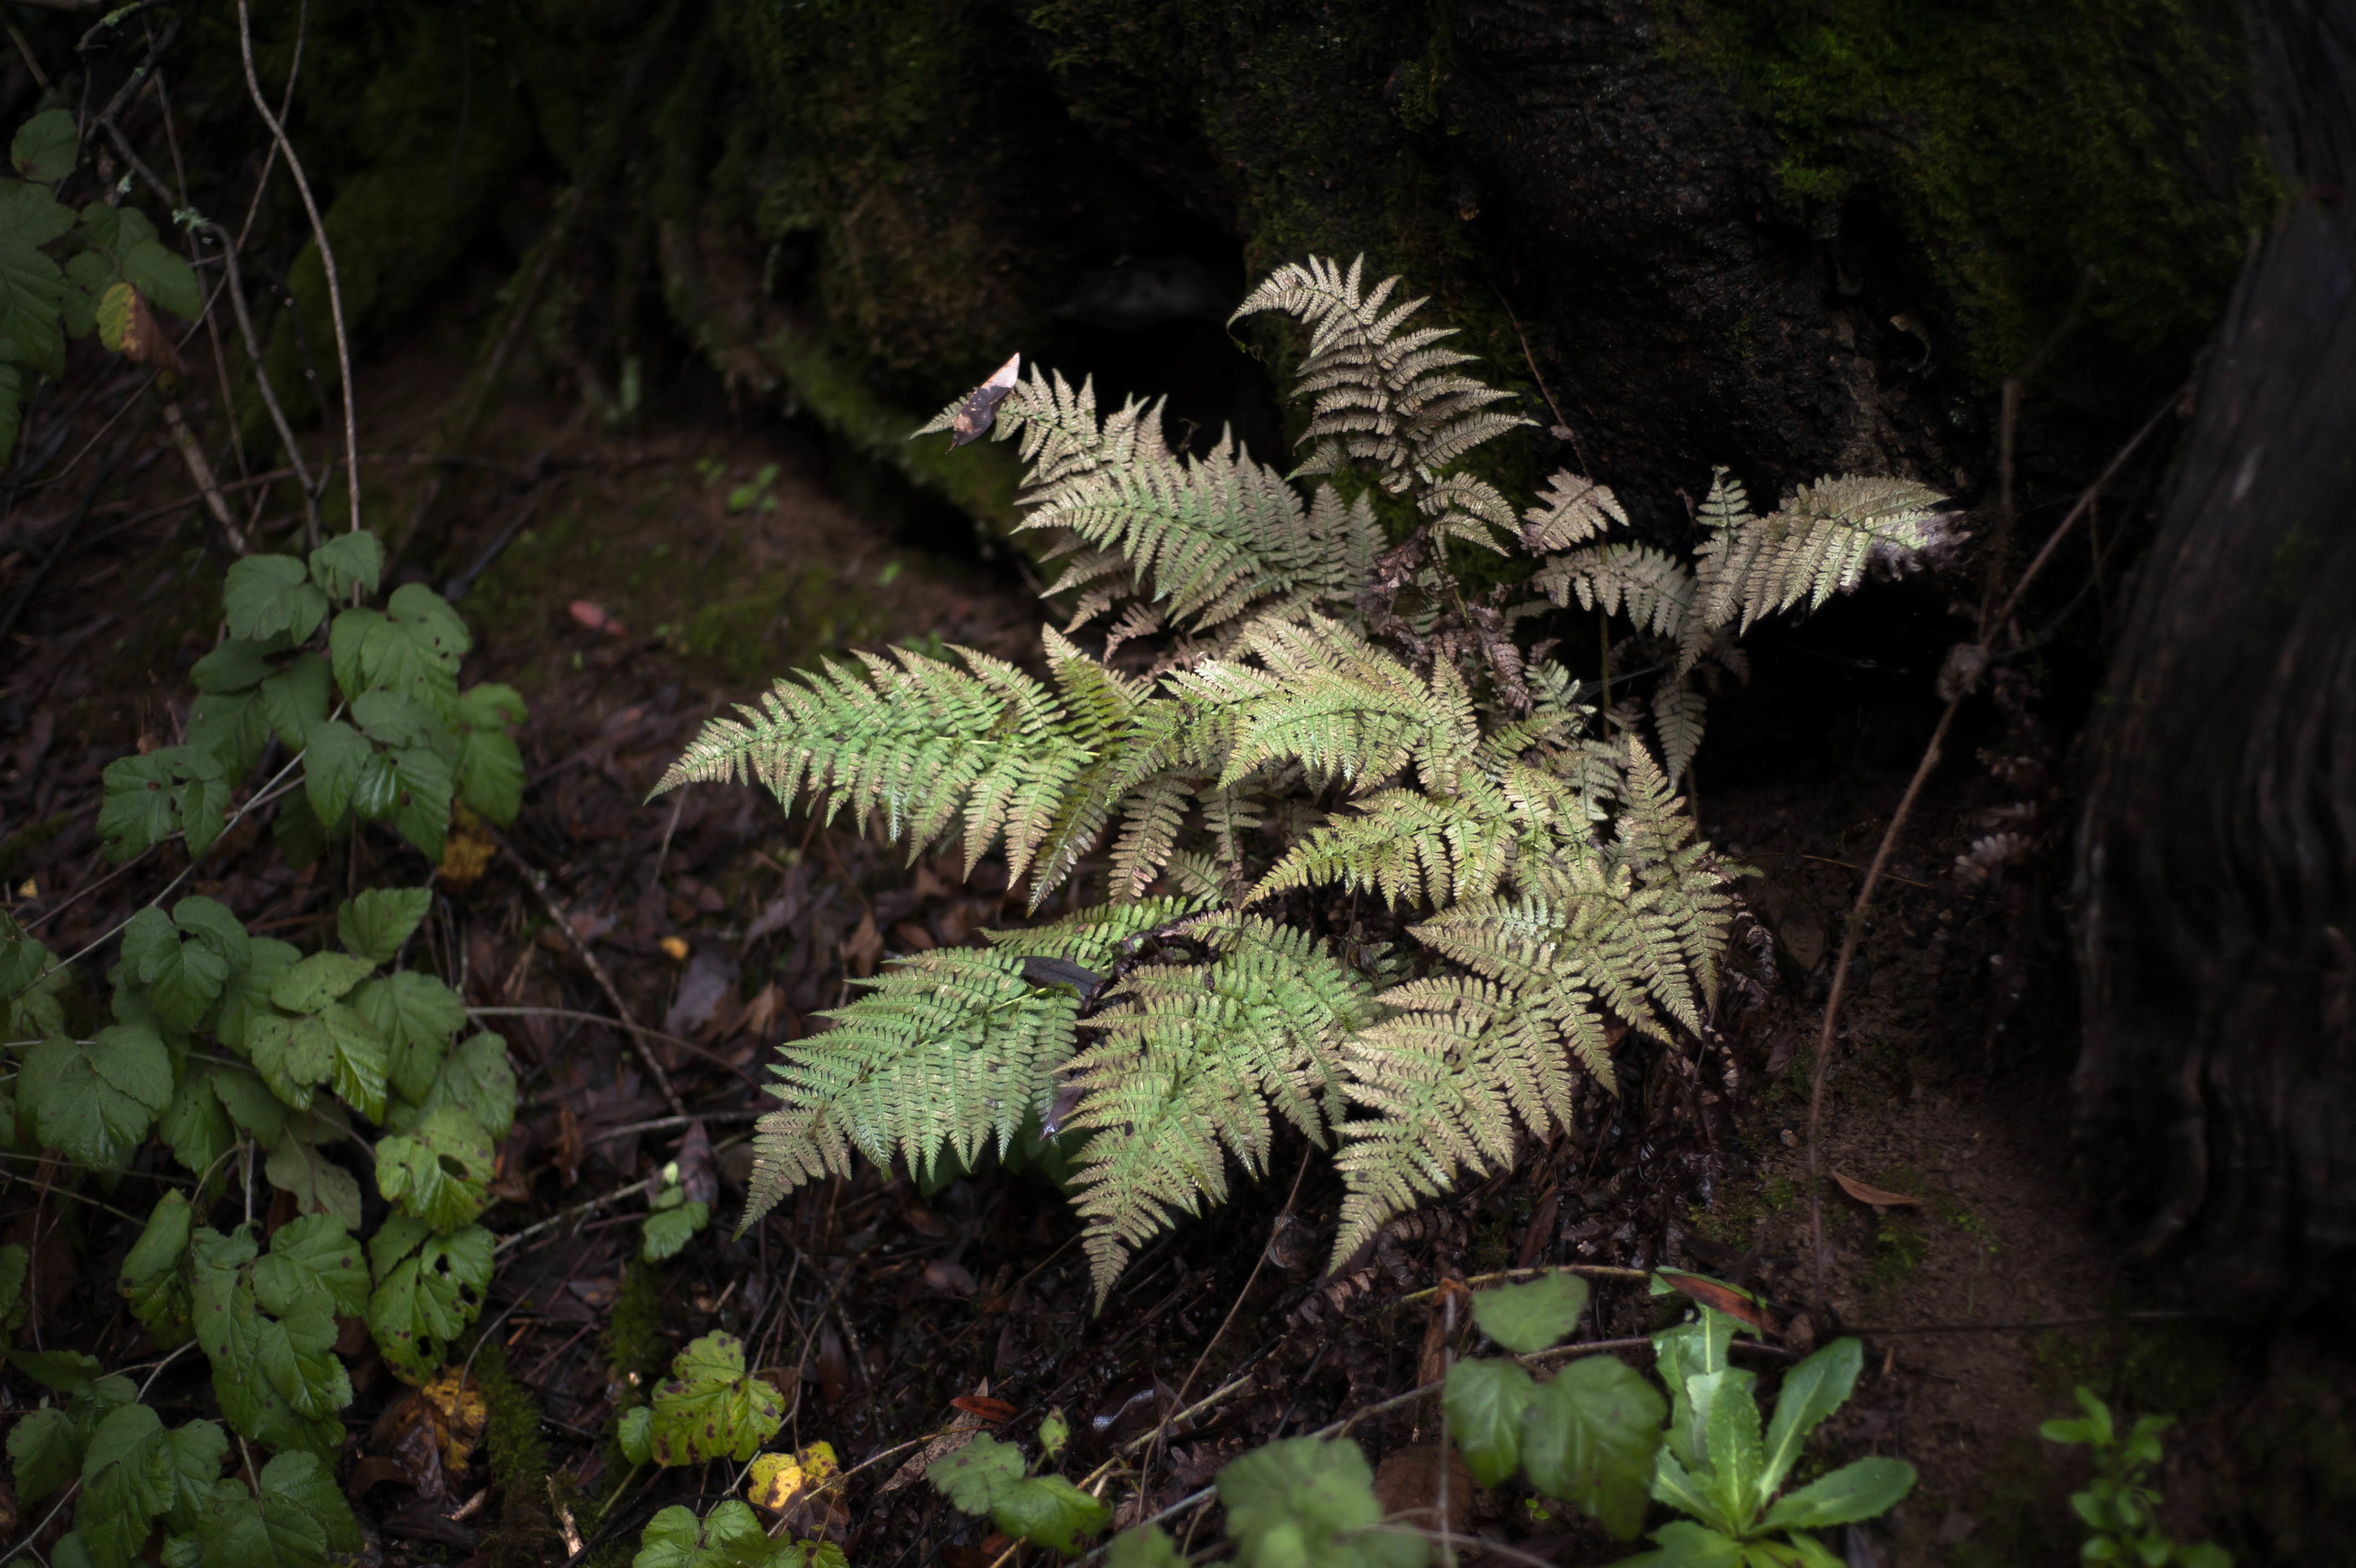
<point x="1370" y="862"/>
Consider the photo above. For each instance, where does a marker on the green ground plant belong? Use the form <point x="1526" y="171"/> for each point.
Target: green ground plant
<point x="1380" y="865"/>
<point x="1597" y="1435"/>
<point x="259" y="1065"/>
<point x="2119" y="1509"/>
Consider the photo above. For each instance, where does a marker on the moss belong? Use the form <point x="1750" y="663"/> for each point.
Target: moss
<point x="637" y="1353"/>
<point x="2018" y="144"/>
<point x="1900" y="1245"/>
<point x="518" y="1457"/>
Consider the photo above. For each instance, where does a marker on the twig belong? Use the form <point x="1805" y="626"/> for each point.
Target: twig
<point x="32" y="63"/>
<point x="674" y="1123"/>
<point x="327" y="254"/>
<point x="705" y="1051"/>
<point x="1988" y="632"/>
<point x="202" y="472"/>
<point x="589" y="960"/>
<point x="577" y="1211"/>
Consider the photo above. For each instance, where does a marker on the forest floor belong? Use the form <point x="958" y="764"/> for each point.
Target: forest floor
<point x="648" y="579"/>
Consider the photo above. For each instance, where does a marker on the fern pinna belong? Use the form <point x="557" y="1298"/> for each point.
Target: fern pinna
<point x="1371" y="863"/>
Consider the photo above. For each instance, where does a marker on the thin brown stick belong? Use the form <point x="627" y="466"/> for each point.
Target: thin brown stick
<point x="327" y="254"/>
<point x="201" y="470"/>
<point x="639" y="1029"/>
<point x="589" y="961"/>
<point x="1989" y="632"/>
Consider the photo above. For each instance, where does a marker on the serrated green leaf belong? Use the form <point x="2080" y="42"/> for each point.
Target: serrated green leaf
<point x="278" y="1380"/>
<point x="148" y="798"/>
<point x="166" y="282"/>
<point x="476" y="1079"/>
<point x="194" y="1124"/>
<point x="297" y="1522"/>
<point x="1052" y="1512"/>
<point x="414" y="645"/>
<point x="295" y="699"/>
<point x="731" y="1537"/>
<point x="239" y="665"/>
<point x="271" y="595"/>
<point x="1810" y="1392"/>
<point x="153" y="1278"/>
<point x="117" y="317"/>
<point x="1588" y="1437"/>
<point x="95" y="1100"/>
<point x="126" y="1481"/>
<point x="374" y="923"/>
<point x="334" y="763"/>
<point x="440" y="1173"/>
<point x="417" y="1015"/>
<point x="246" y="997"/>
<point x="45" y="1452"/>
<point x="424" y="1301"/>
<point x="251" y="1105"/>
<point x="1685" y="1544"/>
<point x="980" y="1472"/>
<point x="229" y="727"/>
<point x="318" y="1185"/>
<point x="396" y="718"/>
<point x="424" y="788"/>
<point x="635" y="1435"/>
<point x="46" y="147"/>
<point x="32" y="295"/>
<point x="30" y="978"/>
<point x="320" y="979"/>
<point x="710" y="1408"/>
<point x="1305" y="1502"/>
<point x="351" y="560"/>
<point x="1864" y="1490"/>
<point x="1484" y="1400"/>
<point x="31" y="214"/>
<point x="1146" y="1547"/>
<point x="1528" y="1319"/>
<point x="311" y="1256"/>
<point x="671" y="1226"/>
<point x="337" y="1046"/>
<point x="490" y="766"/>
<point x="1729" y="1418"/>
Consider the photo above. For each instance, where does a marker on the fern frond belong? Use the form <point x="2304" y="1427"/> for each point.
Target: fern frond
<point x="1571" y="510"/>
<point x="1406" y="847"/>
<point x="1651" y="587"/>
<point x="932" y="748"/>
<point x="1100" y="936"/>
<point x="946" y="1051"/>
<point x="1319" y="694"/>
<point x="1816" y="545"/>
<point x="1190" y="1063"/>
<point x="1678" y="712"/>
<point x="1379" y="396"/>
<point x="1446" y="1077"/>
<point x="1462" y="507"/>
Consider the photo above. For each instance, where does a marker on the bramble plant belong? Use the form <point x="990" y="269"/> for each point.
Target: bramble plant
<point x="245" y="1056"/>
<point x="1596" y="1434"/>
<point x="2120" y="1512"/>
<point x="1378" y="864"/>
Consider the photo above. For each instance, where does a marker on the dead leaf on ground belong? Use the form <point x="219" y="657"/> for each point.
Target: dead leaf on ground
<point x="950" y="1279"/>
<point x="1876" y="1196"/>
<point x="1408" y="1483"/>
<point x="761" y="1013"/>
<point x="963" y="1427"/>
<point x="597" y="618"/>
<point x="804" y="1488"/>
<point x="466" y="853"/>
<point x="995" y="1412"/>
<point x="862" y="947"/>
<point x="1714" y="1294"/>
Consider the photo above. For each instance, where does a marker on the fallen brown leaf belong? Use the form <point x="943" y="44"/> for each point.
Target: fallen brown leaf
<point x="1710" y="1293"/>
<point x="1874" y="1195"/>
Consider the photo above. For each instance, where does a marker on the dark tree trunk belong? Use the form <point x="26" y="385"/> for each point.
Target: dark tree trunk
<point x="2217" y="1094"/>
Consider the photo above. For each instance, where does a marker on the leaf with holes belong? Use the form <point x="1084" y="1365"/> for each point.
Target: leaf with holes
<point x="711" y="1408"/>
<point x="429" y="1288"/>
<point x="475" y="1079"/>
<point x="413" y="644"/>
<point x="440" y="1173"/>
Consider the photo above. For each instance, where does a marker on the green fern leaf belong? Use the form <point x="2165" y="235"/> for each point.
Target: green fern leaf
<point x="1571" y="510"/>
<point x="1650" y="587"/>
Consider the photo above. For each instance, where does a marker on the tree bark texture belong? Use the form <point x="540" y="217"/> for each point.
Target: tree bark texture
<point x="2217" y="1089"/>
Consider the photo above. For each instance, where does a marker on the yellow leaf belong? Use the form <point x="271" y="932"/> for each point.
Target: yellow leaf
<point x="463" y="1412"/>
<point x="781" y="1481"/>
<point x="677" y="948"/>
<point x="467" y="852"/>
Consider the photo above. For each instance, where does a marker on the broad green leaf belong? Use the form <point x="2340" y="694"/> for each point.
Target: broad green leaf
<point x="417" y="1015"/>
<point x="490" y="767"/>
<point x="440" y="1173"/>
<point x="672" y="1222"/>
<point x="229" y="727"/>
<point x="183" y="978"/>
<point x="1685" y="1544"/>
<point x="251" y="1105"/>
<point x="1810" y="1392"/>
<point x="126" y="1481"/>
<point x="45" y="1452"/>
<point x="15" y="1264"/>
<point x="1729" y="1423"/>
<point x="318" y="1184"/>
<point x="1146" y="1547"/>
<point x="351" y="560"/>
<point x="31" y="214"/>
<point x="1528" y="1319"/>
<point x="32" y="292"/>
<point x="374" y="923"/>
<point x="1484" y="1400"/>
<point x="162" y="278"/>
<point x="1306" y="1503"/>
<point x="46" y="146"/>
<point x="710" y="1408"/>
<point x="152" y="1280"/>
<point x="396" y="718"/>
<point x="271" y="595"/>
<point x="320" y="979"/>
<point x="475" y="1079"/>
<point x="297" y="831"/>
<point x="239" y="665"/>
<point x="1684" y="1352"/>
<point x="296" y="698"/>
<point x="246" y="997"/>
<point x="424" y="788"/>
<point x="194" y="1124"/>
<point x="414" y="645"/>
<point x="1864" y="1490"/>
<point x="278" y="1380"/>
<point x="427" y="1297"/>
<point x="117" y="318"/>
<point x="96" y="1101"/>
<point x="30" y="978"/>
<point x="335" y="761"/>
<point x="338" y="1046"/>
<point x="977" y="1474"/>
<point x="1589" y="1437"/>
<point x="297" y="1522"/>
<point x="148" y="797"/>
<point x="312" y="1256"/>
<point x="1052" y="1512"/>
<point x="635" y="1435"/>
<point x="731" y="1537"/>
<point x="192" y="1455"/>
<point x="67" y="1371"/>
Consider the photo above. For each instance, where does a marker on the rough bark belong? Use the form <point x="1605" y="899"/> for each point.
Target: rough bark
<point x="2217" y="1090"/>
